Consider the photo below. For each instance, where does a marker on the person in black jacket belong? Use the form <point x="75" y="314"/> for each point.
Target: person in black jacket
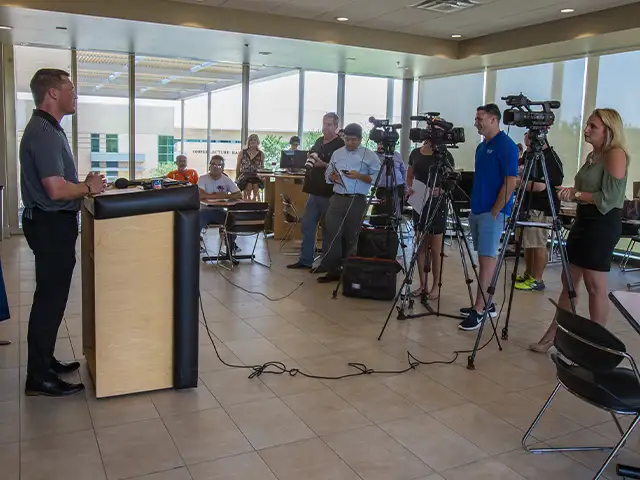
<point x="534" y="240"/>
<point x="318" y="189"/>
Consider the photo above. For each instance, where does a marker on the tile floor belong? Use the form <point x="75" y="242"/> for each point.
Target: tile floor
<point x="437" y="422"/>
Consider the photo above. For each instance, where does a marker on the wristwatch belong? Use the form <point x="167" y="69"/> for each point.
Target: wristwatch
<point x="577" y="195"/>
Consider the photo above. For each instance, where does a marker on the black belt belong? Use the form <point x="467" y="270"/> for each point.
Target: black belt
<point x="350" y="194"/>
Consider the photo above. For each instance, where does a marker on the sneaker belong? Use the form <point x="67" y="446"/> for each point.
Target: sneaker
<point x="465" y="312"/>
<point x="523" y="278"/>
<point x="524" y="284"/>
<point x="531" y="286"/>
<point x="472" y="322"/>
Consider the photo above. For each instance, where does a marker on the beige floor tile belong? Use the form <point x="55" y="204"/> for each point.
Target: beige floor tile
<point x="248" y="466"/>
<point x="300" y="345"/>
<point x="520" y="412"/>
<point x="488" y="469"/>
<point x="435" y="444"/>
<point x="268" y="423"/>
<point x="231" y="387"/>
<point x="9" y="384"/>
<point x="544" y="467"/>
<point x="10" y="461"/>
<point x="233" y="330"/>
<point x="325" y="412"/>
<point x="287" y="384"/>
<point x="376" y="401"/>
<point x="257" y="351"/>
<point x="273" y="326"/>
<point x="60" y="457"/>
<point x="481" y="427"/>
<point x="9" y="354"/>
<point x="374" y="455"/>
<point x="206" y="435"/>
<point x="40" y="416"/>
<point x="307" y="459"/>
<point x="135" y="449"/>
<point x="249" y="309"/>
<point x="510" y="376"/>
<point x="175" y="402"/>
<point x="106" y="412"/>
<point x="9" y="421"/>
<point x="423" y="392"/>
<point x="181" y="473"/>
<point x="469" y="384"/>
<point x="208" y="360"/>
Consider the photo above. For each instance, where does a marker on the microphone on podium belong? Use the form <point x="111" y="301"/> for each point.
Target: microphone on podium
<point x="125" y="183"/>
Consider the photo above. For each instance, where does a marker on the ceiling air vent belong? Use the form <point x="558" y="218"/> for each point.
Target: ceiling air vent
<point x="446" y="6"/>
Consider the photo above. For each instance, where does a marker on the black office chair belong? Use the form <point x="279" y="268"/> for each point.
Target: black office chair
<point x="291" y="219"/>
<point x="244" y="220"/>
<point x="592" y="373"/>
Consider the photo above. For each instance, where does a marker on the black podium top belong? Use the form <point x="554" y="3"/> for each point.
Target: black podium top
<point x="134" y="201"/>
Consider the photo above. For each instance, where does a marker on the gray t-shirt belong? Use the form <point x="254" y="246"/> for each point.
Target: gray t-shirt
<point x="45" y="152"/>
<point x="221" y="185"/>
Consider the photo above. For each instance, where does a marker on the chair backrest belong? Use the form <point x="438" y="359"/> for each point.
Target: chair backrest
<point x="585" y="342"/>
<point x="246" y="217"/>
<point x="289" y="211"/>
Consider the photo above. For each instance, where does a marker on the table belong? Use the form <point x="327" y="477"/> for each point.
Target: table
<point x="223" y="204"/>
<point x="628" y="303"/>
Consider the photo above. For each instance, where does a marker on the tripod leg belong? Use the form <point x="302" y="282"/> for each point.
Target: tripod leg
<point x="514" y="274"/>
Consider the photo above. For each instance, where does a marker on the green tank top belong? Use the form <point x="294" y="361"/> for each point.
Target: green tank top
<point x="608" y="191"/>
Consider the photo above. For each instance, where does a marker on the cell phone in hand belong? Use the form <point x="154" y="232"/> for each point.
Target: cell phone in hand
<point x="345" y="171"/>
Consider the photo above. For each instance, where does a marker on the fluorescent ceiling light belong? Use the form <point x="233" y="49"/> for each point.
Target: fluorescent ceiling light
<point x="456" y="35"/>
<point x="567" y="10"/>
<point x="342" y="19"/>
<point x="5" y="27"/>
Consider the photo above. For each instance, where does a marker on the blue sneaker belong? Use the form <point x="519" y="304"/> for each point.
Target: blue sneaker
<point x="472" y="322"/>
<point x="465" y="312"/>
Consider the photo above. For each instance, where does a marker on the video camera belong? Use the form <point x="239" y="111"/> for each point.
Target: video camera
<point x="521" y="115"/>
<point x="437" y="131"/>
<point x="384" y="131"/>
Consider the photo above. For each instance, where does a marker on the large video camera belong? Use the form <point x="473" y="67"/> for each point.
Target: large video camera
<point x="384" y="131"/>
<point x="437" y="131"/>
<point x="521" y="115"/>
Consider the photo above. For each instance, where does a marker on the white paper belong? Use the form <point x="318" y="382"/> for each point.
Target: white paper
<point x="419" y="196"/>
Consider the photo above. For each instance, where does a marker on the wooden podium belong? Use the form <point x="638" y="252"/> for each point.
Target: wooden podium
<point x="140" y="287"/>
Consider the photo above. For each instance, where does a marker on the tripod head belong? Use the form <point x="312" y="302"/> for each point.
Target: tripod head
<point x="538" y="138"/>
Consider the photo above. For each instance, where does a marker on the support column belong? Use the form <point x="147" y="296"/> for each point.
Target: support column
<point x="590" y="89"/>
<point x="391" y="85"/>
<point x="182" y="126"/>
<point x="340" y="95"/>
<point x="8" y="144"/>
<point x="301" y="105"/>
<point x="208" y="129"/>
<point x="490" y="80"/>
<point x="132" y="116"/>
<point x="74" y="118"/>
<point x="407" y="111"/>
<point x="246" y="71"/>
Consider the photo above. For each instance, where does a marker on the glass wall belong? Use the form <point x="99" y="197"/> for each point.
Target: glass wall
<point x="27" y="61"/>
<point x="273" y="111"/>
<point x="561" y="81"/>
<point x="320" y="97"/>
<point x="364" y="97"/>
<point x="456" y="98"/>
<point x="620" y="91"/>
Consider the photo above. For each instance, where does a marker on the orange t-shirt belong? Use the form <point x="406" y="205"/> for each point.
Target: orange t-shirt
<point x="187" y="175"/>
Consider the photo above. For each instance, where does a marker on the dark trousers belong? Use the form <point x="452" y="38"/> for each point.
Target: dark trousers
<point x="342" y="235"/>
<point x="52" y="238"/>
<point x="215" y="216"/>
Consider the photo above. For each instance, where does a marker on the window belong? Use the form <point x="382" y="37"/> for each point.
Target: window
<point x="165" y="149"/>
<point x="456" y="98"/>
<point x="365" y="97"/>
<point x="563" y="81"/>
<point x="112" y="143"/>
<point x="226" y="123"/>
<point x="95" y="142"/>
<point x="320" y="97"/>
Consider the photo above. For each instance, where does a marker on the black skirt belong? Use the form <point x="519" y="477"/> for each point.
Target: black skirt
<point x="249" y="177"/>
<point x="593" y="237"/>
<point x="438" y="224"/>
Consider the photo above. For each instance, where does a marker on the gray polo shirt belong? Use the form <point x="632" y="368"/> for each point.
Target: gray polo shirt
<point x="45" y="152"/>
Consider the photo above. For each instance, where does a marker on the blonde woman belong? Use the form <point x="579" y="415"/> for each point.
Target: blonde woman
<point x="250" y="160"/>
<point x="599" y="190"/>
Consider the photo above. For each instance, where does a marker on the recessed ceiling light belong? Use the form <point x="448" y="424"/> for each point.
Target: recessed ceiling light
<point x="351" y="59"/>
<point x="567" y="10"/>
<point x="342" y="19"/>
<point x="5" y="27"/>
<point x="264" y="53"/>
<point x="61" y="28"/>
<point x="456" y="35"/>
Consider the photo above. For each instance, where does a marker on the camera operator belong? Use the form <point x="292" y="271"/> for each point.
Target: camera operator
<point x="351" y="172"/>
<point x="319" y="191"/>
<point x="534" y="240"/>
<point x="387" y="191"/>
<point x="496" y="171"/>
<point x="422" y="164"/>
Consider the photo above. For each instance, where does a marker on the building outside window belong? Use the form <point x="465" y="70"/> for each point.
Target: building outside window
<point x="112" y="143"/>
<point x="165" y="148"/>
<point x="95" y="142"/>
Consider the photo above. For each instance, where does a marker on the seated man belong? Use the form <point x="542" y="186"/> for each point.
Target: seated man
<point x="216" y="185"/>
<point x="352" y="170"/>
<point x="182" y="173"/>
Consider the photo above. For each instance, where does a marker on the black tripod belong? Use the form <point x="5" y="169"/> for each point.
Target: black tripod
<point x="537" y="136"/>
<point x="394" y="215"/>
<point x="441" y="176"/>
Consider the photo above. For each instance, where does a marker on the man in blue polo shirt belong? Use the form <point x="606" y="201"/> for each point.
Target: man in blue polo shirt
<point x="496" y="171"/>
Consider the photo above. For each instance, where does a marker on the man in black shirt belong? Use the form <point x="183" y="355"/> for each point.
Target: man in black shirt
<point x="318" y="189"/>
<point x="51" y="194"/>
<point x="534" y="240"/>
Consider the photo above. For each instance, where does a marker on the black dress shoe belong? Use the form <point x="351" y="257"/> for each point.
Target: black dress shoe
<point x="61" y="368"/>
<point x="329" y="277"/>
<point x="51" y="387"/>
<point x="298" y="265"/>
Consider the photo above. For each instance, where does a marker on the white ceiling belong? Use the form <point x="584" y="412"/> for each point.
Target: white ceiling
<point x="397" y="15"/>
